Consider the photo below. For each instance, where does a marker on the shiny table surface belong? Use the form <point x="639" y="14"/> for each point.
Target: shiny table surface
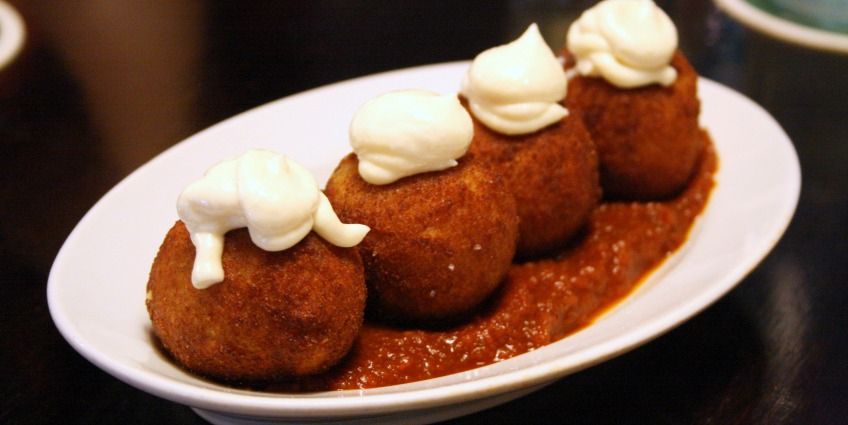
<point x="102" y="87"/>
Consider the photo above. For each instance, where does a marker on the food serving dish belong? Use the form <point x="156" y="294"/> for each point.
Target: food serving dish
<point x="783" y="29"/>
<point x="96" y="287"/>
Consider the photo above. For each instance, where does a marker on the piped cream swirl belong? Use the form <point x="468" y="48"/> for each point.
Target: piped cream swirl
<point x="407" y="132"/>
<point x="275" y="198"/>
<point x="629" y="43"/>
<point x="516" y="88"/>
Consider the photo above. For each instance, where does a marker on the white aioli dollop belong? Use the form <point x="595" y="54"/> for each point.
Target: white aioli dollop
<point x="516" y="88"/>
<point x="629" y="43"/>
<point x="407" y="132"/>
<point x="275" y="198"/>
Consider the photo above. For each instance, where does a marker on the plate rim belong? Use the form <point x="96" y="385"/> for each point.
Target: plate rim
<point x="315" y="405"/>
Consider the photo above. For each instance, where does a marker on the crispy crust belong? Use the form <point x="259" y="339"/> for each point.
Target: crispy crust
<point x="647" y="138"/>
<point x="276" y="314"/>
<point x="553" y="174"/>
<point x="440" y="242"/>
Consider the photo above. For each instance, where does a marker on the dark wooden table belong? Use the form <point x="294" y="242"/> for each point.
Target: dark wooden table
<point x="104" y="86"/>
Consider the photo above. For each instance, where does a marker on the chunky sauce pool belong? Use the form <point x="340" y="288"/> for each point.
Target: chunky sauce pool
<point x="539" y="303"/>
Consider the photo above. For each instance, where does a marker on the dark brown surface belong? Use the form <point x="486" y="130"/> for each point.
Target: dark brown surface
<point x="772" y="351"/>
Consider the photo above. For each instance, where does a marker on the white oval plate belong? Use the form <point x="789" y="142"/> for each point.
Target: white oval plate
<point x="97" y="284"/>
<point x="782" y="29"/>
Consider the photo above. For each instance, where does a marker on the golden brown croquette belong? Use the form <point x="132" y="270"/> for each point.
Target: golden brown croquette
<point x="647" y="138"/>
<point x="440" y="242"/>
<point x="275" y="314"/>
<point x="553" y="174"/>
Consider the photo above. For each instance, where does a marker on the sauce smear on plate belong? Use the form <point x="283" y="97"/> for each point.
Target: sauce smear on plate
<point x="540" y="301"/>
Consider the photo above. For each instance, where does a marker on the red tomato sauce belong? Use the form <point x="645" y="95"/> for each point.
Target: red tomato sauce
<point x="539" y="302"/>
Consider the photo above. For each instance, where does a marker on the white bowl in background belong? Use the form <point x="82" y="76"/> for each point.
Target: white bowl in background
<point x="784" y="29"/>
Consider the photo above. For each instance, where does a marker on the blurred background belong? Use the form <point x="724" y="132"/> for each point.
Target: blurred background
<point x="102" y="86"/>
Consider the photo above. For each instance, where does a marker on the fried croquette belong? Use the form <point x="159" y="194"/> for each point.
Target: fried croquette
<point x="553" y="174"/>
<point x="276" y="314"/>
<point x="647" y="138"/>
<point x="440" y="242"/>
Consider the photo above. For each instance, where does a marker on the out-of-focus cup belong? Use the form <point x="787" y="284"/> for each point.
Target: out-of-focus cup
<point x="830" y="15"/>
<point x="816" y="24"/>
<point x="12" y="34"/>
<point x="12" y="37"/>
